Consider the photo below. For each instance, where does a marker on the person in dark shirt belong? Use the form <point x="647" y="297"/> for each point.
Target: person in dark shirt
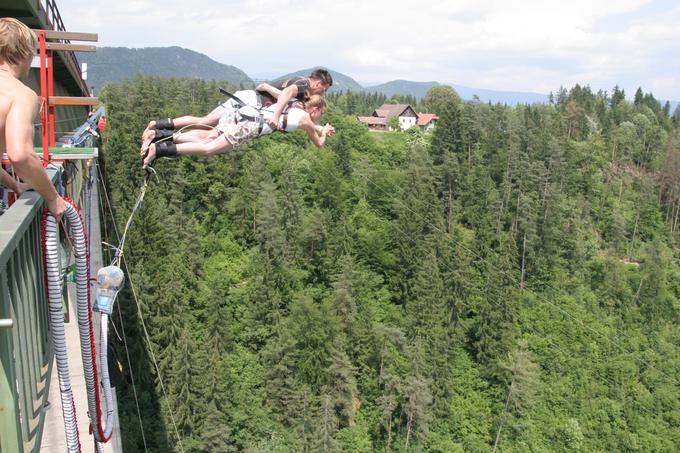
<point x="300" y="88"/>
<point x="316" y="83"/>
<point x="242" y="125"/>
<point x="295" y="88"/>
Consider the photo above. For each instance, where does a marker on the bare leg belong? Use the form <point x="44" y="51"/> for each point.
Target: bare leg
<point x="195" y="135"/>
<point x="211" y="119"/>
<point x="215" y="146"/>
<point x="211" y="148"/>
<point x="13" y="184"/>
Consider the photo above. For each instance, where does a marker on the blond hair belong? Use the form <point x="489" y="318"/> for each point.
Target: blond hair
<point x="17" y="41"/>
<point x="315" y="100"/>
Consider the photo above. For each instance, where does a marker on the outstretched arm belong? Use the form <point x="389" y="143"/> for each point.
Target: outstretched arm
<point x="317" y="134"/>
<point x="19" y="141"/>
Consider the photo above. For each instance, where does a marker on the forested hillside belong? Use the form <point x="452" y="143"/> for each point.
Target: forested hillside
<point x="511" y="279"/>
<point x="110" y="64"/>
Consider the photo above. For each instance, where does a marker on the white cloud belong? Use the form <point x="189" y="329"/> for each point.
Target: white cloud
<point x="529" y="45"/>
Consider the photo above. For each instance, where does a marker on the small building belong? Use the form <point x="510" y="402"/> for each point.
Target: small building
<point x="374" y="122"/>
<point x="407" y="116"/>
<point x="426" y="121"/>
<point x="380" y="120"/>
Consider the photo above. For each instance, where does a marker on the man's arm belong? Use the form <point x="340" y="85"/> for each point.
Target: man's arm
<point x="284" y="98"/>
<point x="275" y="92"/>
<point x="19" y="142"/>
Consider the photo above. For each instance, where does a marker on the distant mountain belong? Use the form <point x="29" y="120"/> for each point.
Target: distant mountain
<point x="417" y="89"/>
<point x="503" y="97"/>
<point x="119" y="63"/>
<point x="341" y="82"/>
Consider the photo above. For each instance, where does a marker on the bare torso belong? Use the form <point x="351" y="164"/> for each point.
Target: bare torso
<point x="11" y="92"/>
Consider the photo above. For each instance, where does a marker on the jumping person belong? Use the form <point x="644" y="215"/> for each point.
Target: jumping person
<point x="237" y="126"/>
<point x="18" y="106"/>
<point x="300" y="88"/>
<point x="287" y="90"/>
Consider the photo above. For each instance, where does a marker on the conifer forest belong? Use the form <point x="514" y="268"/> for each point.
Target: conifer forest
<point x="508" y="282"/>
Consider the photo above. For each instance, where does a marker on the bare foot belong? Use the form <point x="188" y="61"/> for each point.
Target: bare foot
<point x="20" y="188"/>
<point x="147" y="138"/>
<point x="149" y="156"/>
<point x="150" y="127"/>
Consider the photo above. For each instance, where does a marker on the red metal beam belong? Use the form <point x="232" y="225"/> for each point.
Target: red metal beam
<point x="43" y="98"/>
<point x="50" y="93"/>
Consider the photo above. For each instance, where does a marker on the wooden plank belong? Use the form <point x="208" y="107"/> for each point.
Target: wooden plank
<point x="72" y="36"/>
<point x="73" y="100"/>
<point x="71" y="47"/>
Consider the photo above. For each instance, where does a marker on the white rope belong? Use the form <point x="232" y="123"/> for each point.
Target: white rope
<point x="153" y="356"/>
<point x="122" y="324"/>
<point x="121" y="257"/>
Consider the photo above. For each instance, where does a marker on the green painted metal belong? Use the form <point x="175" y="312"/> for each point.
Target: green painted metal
<point x="10" y="428"/>
<point x="21" y="339"/>
<point x="62" y="150"/>
<point x="25" y="358"/>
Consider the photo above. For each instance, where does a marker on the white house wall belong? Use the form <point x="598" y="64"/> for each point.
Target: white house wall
<point x="406" y="121"/>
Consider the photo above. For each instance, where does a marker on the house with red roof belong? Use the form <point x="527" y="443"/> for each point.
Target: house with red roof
<point x="404" y="112"/>
<point x="407" y="116"/>
<point x="426" y="121"/>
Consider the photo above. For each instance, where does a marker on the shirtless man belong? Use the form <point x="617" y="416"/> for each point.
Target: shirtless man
<point x="18" y="107"/>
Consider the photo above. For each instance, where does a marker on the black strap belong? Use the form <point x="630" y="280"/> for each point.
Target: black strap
<point x="162" y="134"/>
<point x="165" y="123"/>
<point x="166" y="149"/>
<point x="260" y="117"/>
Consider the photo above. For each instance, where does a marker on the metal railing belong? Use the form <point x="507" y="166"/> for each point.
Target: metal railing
<point x="25" y="350"/>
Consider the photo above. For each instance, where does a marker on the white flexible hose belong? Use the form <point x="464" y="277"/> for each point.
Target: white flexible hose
<point x="84" y="315"/>
<point x="53" y="271"/>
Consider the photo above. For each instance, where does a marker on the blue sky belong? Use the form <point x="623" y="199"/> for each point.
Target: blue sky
<point x="518" y="45"/>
